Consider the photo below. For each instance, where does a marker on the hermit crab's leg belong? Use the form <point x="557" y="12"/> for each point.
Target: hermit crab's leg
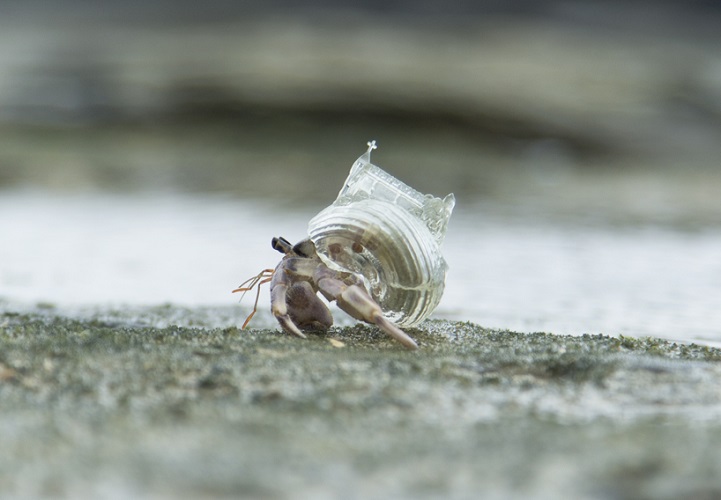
<point x="356" y="301"/>
<point x="260" y="279"/>
<point x="280" y="310"/>
<point x="278" y="306"/>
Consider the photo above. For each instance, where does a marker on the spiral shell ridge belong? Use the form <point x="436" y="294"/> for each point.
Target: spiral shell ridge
<point x="390" y="235"/>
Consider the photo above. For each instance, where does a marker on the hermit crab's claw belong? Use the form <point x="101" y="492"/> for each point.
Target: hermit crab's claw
<point x="280" y="309"/>
<point x="356" y="301"/>
<point x="306" y="309"/>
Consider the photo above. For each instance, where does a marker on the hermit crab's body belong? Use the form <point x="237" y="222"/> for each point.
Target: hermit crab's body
<point x="298" y="278"/>
<point x="375" y="251"/>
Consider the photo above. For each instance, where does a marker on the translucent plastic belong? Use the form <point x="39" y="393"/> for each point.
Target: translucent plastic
<point x="389" y="234"/>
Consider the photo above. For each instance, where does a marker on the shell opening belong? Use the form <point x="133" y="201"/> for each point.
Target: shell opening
<point x="389" y="234"/>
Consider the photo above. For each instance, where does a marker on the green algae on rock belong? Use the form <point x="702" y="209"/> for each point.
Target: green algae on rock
<point x="112" y="401"/>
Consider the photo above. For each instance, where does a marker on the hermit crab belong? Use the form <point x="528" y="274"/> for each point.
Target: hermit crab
<point x="375" y="251"/>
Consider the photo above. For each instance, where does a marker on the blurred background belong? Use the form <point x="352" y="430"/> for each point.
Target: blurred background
<point x="149" y="151"/>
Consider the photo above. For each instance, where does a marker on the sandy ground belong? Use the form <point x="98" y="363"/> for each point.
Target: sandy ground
<point x="116" y="405"/>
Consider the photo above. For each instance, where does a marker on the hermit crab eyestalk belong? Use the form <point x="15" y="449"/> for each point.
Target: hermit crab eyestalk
<point x="390" y="235"/>
<point x="281" y="244"/>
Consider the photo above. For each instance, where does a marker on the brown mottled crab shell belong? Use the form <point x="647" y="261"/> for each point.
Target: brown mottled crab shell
<point x="389" y="234"/>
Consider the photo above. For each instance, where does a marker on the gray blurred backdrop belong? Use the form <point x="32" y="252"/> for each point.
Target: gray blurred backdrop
<point x="576" y="109"/>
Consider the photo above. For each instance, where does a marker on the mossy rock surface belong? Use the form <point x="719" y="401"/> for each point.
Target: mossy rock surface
<point x="115" y="402"/>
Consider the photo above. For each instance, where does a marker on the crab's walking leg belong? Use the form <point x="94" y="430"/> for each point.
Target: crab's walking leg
<point x="357" y="302"/>
<point x="255" y="305"/>
<point x="263" y="277"/>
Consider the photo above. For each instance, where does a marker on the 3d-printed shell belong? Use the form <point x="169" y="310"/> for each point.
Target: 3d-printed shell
<point x="389" y="234"/>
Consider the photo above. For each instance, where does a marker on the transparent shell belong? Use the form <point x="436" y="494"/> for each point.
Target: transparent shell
<point x="389" y="234"/>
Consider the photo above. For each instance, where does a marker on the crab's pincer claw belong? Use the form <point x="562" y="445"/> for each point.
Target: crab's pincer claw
<point x="306" y="310"/>
<point x="280" y="311"/>
<point x="289" y="326"/>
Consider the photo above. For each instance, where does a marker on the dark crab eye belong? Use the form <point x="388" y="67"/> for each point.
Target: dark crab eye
<point x="281" y="244"/>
